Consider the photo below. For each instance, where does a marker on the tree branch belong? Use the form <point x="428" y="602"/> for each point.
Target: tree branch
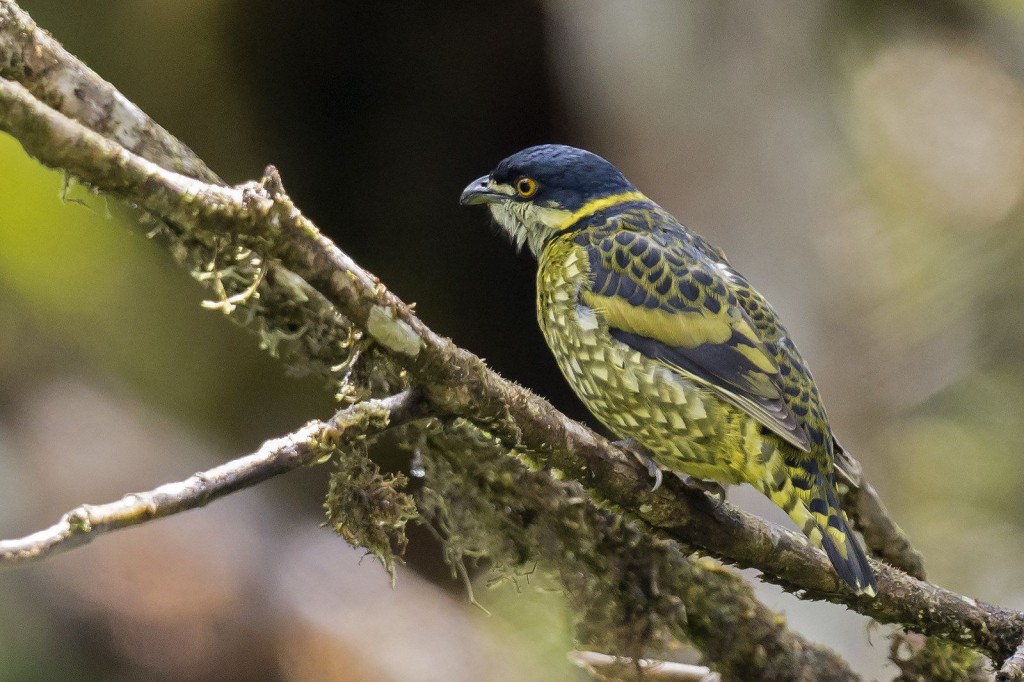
<point x="284" y="305"/>
<point x="610" y="667"/>
<point x="630" y="589"/>
<point x="457" y="382"/>
<point x="881" y="534"/>
<point x="1012" y="669"/>
<point x="309" y="444"/>
<point x="55" y="77"/>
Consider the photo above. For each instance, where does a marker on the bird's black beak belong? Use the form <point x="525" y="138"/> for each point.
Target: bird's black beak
<point x="477" y="192"/>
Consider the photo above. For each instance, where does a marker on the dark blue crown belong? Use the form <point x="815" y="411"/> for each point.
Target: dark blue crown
<point x="567" y="176"/>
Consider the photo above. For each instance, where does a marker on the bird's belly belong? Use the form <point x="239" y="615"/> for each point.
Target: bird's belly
<point x="684" y="426"/>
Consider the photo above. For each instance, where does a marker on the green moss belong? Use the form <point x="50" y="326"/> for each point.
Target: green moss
<point x="368" y="509"/>
<point x="930" y="659"/>
<point x="629" y="593"/>
<point x="486" y="506"/>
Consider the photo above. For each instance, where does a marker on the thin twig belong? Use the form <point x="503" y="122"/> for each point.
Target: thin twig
<point x="603" y="665"/>
<point x="307" y="445"/>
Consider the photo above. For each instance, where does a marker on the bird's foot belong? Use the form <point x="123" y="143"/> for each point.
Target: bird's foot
<point x="640" y="452"/>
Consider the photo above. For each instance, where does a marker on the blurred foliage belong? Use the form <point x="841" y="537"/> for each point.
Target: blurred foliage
<point x="861" y="162"/>
<point x="73" y="263"/>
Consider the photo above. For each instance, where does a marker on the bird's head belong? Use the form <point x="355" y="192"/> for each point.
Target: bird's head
<point x="540" y="191"/>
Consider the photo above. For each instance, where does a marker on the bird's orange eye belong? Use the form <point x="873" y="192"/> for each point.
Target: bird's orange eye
<point x="526" y="187"/>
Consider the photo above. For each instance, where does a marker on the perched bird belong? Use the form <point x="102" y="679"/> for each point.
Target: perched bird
<point x="667" y="344"/>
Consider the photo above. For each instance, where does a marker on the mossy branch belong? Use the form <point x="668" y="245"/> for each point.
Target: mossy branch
<point x="292" y="319"/>
<point x="633" y="591"/>
<point x="308" y="445"/>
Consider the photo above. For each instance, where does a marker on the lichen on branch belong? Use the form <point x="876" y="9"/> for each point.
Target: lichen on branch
<point x="310" y="444"/>
<point x="631" y="593"/>
<point x="369" y="509"/>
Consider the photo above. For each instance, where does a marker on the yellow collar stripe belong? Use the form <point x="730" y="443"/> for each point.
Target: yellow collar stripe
<point x="594" y="205"/>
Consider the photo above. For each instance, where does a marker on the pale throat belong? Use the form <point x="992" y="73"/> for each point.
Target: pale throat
<point x="529" y="224"/>
<point x="533" y="225"/>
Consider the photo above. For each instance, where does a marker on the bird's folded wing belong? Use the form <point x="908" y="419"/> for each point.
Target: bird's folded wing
<point x="663" y="298"/>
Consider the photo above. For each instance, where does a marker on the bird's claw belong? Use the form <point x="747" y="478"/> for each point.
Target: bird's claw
<point x="655" y="471"/>
<point x="640" y="452"/>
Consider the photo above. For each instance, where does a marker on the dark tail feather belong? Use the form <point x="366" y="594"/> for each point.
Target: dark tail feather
<point x="854" y="568"/>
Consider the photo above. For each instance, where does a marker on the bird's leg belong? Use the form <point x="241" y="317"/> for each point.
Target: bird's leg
<point x="713" y="488"/>
<point x="640" y="452"/>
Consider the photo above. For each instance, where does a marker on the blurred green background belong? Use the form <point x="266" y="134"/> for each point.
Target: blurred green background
<point x="861" y="162"/>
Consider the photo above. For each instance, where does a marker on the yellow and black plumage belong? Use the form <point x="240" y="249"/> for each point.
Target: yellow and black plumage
<point x="667" y="344"/>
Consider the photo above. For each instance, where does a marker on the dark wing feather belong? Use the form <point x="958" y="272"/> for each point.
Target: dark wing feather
<point x="661" y="295"/>
<point x="799" y="390"/>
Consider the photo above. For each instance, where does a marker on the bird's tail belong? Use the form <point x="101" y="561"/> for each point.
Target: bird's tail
<point x="844" y="549"/>
<point x="817" y="513"/>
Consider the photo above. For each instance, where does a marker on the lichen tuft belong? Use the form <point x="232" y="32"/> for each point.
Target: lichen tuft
<point x="370" y="509"/>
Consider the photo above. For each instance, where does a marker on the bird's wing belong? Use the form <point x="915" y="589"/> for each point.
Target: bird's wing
<point x="798" y="388"/>
<point x="663" y="297"/>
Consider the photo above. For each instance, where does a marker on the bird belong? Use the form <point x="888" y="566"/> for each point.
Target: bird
<point x="668" y="345"/>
